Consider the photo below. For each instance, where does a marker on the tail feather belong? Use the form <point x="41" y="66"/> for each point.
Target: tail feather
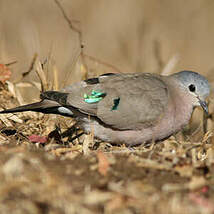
<point x="43" y="106"/>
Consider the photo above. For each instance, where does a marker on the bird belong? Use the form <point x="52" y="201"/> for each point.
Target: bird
<point x="127" y="108"/>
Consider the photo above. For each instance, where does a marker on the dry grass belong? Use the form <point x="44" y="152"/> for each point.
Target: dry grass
<point x="65" y="174"/>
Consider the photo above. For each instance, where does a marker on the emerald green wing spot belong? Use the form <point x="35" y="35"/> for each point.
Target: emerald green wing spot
<point x="97" y="93"/>
<point x="94" y="97"/>
<point x="85" y="96"/>
<point x="93" y="100"/>
<point x="116" y="103"/>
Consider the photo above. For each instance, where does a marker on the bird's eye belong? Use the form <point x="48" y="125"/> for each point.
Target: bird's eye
<point x="192" y="88"/>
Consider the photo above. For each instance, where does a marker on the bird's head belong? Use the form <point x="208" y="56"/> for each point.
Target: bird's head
<point x="196" y="85"/>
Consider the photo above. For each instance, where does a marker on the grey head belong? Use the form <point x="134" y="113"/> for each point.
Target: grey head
<point x="197" y="85"/>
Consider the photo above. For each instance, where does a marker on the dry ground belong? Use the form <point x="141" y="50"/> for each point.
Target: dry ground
<point x="64" y="174"/>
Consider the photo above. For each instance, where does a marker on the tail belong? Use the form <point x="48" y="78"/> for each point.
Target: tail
<point x="44" y="106"/>
<point x="52" y="102"/>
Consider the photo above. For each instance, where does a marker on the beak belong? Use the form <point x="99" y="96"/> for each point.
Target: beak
<point x="203" y="105"/>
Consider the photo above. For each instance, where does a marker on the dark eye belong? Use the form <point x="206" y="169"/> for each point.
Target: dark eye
<point x="192" y="88"/>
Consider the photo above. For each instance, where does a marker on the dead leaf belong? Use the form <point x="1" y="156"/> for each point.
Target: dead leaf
<point x="5" y="73"/>
<point x="37" y="139"/>
<point x="103" y="163"/>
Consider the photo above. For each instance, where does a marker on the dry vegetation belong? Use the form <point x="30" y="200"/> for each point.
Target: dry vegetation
<point x="65" y="174"/>
<point x="47" y="165"/>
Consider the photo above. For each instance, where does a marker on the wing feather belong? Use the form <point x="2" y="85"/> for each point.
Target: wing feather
<point x="140" y="98"/>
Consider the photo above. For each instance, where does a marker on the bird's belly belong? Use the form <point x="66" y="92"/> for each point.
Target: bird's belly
<point x="165" y="127"/>
<point x="131" y="137"/>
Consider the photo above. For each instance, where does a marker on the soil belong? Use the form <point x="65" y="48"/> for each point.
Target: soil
<point x="45" y="170"/>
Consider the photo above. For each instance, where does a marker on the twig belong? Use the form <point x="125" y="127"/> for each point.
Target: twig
<point x="157" y="53"/>
<point x="168" y="68"/>
<point x="31" y="66"/>
<point x="75" y="29"/>
<point x="41" y="75"/>
<point x="81" y="45"/>
<point x="11" y="63"/>
<point x="68" y="20"/>
<point x="55" y="78"/>
<point x="29" y="70"/>
<point x="102" y="62"/>
<point x="73" y="64"/>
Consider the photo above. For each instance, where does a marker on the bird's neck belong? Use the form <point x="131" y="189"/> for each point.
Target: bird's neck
<point x="182" y="105"/>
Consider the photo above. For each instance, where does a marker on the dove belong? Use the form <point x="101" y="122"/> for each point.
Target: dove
<point x="129" y="108"/>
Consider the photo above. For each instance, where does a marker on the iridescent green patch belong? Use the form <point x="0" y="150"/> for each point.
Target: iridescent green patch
<point x="94" y="97"/>
<point x="116" y="103"/>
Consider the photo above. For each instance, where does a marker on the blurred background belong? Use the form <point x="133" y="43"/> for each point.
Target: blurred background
<point x="124" y="35"/>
